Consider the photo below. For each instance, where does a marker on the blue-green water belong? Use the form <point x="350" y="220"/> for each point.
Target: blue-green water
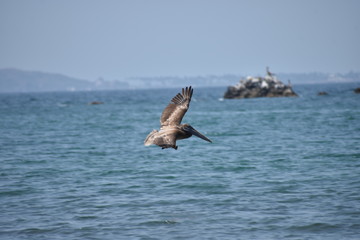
<point x="278" y="168"/>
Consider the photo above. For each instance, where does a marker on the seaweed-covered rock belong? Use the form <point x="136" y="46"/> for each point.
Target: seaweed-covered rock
<point x="252" y="87"/>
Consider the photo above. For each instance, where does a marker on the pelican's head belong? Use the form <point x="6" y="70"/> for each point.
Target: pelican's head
<point x="189" y="129"/>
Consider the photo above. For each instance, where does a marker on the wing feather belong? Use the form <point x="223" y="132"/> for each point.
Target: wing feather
<point x="164" y="138"/>
<point x="175" y="111"/>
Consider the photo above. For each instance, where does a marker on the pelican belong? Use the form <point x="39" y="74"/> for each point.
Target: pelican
<point x="170" y="127"/>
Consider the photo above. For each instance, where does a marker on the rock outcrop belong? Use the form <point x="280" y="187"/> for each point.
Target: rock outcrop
<point x="95" y="103"/>
<point x="252" y="87"/>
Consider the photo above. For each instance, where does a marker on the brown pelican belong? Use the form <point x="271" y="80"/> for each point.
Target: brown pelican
<point x="170" y="127"/>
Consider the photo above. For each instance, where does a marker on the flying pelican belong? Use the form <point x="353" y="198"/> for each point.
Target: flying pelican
<point x="170" y="127"/>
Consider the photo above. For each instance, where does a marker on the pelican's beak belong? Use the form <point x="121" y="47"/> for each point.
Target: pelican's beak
<point x="193" y="131"/>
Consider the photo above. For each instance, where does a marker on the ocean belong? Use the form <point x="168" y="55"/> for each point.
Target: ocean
<point x="278" y="168"/>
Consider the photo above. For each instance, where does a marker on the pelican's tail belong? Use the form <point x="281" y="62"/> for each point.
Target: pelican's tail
<point x="150" y="138"/>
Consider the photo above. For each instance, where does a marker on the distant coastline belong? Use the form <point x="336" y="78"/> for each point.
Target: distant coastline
<point x="15" y="80"/>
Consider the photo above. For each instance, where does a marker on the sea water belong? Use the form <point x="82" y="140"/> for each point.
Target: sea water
<point x="278" y="168"/>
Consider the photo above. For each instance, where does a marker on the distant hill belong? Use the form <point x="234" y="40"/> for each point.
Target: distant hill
<point x="14" y="80"/>
<point x="317" y="77"/>
<point x="231" y="79"/>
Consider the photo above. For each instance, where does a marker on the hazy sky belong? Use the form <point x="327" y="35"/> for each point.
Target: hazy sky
<point x="126" y="38"/>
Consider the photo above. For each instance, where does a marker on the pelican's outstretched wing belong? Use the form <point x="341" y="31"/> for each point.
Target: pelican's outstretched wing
<point x="162" y="138"/>
<point x="175" y="111"/>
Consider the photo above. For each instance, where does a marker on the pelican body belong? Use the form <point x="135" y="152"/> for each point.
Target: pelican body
<point x="170" y="127"/>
